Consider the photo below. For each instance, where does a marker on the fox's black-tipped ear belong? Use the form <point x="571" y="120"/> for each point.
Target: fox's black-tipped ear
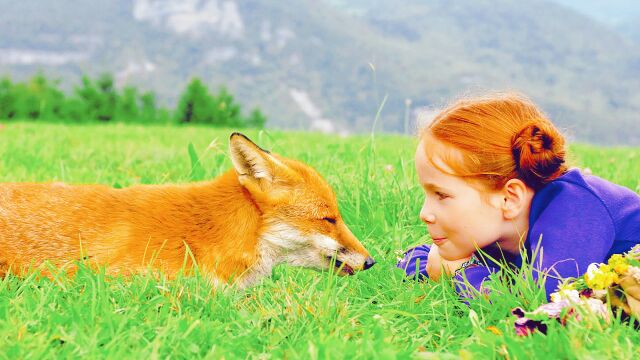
<point x="251" y="161"/>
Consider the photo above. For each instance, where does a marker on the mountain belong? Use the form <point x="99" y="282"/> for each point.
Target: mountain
<point x="622" y="16"/>
<point x="612" y="12"/>
<point x="631" y="29"/>
<point x="329" y="65"/>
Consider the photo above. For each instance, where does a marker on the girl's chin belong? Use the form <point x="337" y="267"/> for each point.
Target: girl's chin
<point x="453" y="254"/>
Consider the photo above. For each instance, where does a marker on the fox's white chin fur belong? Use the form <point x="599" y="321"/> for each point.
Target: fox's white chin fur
<point x="284" y="244"/>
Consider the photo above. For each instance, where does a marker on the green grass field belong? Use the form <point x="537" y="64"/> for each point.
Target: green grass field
<point x="297" y="313"/>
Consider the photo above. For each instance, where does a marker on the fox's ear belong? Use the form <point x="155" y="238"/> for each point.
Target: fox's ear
<point x="252" y="163"/>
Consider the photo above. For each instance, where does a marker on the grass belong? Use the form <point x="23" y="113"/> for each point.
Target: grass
<point x="297" y="313"/>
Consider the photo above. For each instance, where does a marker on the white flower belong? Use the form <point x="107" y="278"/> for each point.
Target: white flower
<point x="599" y="309"/>
<point x="599" y="294"/>
<point x="473" y="317"/>
<point x="592" y="270"/>
<point x="573" y="296"/>
<point x="634" y="272"/>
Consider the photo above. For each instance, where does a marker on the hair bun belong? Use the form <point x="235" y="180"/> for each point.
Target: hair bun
<point x="538" y="151"/>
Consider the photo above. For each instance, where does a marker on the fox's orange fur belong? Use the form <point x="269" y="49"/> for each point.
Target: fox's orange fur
<point x="266" y="211"/>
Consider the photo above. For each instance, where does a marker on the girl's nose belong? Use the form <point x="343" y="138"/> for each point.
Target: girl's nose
<point x="429" y="218"/>
<point x="426" y="215"/>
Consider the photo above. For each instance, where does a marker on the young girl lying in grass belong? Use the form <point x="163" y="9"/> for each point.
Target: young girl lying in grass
<point x="495" y="179"/>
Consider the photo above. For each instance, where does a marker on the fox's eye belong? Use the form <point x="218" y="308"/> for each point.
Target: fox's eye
<point x="330" y="220"/>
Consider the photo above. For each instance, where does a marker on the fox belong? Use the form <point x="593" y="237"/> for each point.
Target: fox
<point x="265" y="211"/>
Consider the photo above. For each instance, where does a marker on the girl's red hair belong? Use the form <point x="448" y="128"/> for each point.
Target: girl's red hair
<point x="496" y="138"/>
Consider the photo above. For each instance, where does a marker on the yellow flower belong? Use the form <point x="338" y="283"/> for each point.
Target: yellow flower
<point x="591" y="272"/>
<point x="600" y="278"/>
<point x="619" y="264"/>
<point x="566" y="285"/>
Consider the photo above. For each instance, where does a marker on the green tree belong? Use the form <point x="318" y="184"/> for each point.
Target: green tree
<point x="84" y="106"/>
<point x="8" y="108"/>
<point x="148" y="108"/>
<point x="128" y="104"/>
<point x="195" y="105"/>
<point x="256" y="119"/>
<point x="108" y="98"/>
<point x="99" y="99"/>
<point x="225" y="111"/>
<point x="38" y="98"/>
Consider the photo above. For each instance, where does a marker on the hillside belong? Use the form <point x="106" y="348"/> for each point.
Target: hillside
<point x="329" y="64"/>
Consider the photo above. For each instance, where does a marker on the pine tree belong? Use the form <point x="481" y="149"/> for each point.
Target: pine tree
<point x="7" y="99"/>
<point x="98" y="100"/>
<point x="225" y="110"/>
<point x="195" y="105"/>
<point x="128" y="104"/>
<point x="256" y="119"/>
<point x="148" y="110"/>
<point x="108" y="98"/>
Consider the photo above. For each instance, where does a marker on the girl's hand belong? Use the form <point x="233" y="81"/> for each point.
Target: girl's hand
<point x="435" y="264"/>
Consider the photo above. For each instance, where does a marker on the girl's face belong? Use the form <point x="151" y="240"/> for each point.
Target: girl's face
<point x="459" y="217"/>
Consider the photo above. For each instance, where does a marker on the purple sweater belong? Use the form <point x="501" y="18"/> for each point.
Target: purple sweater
<point x="574" y="221"/>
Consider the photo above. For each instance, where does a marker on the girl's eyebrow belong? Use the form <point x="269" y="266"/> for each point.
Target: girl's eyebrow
<point x="434" y="187"/>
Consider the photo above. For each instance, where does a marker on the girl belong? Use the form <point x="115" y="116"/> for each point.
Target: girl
<point x="494" y="175"/>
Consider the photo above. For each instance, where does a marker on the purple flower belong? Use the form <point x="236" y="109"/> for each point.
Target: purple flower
<point x="525" y="326"/>
<point x="553" y="309"/>
<point x="586" y="292"/>
<point x="560" y="311"/>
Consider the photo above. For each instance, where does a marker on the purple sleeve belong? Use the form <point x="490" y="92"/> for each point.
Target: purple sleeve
<point x="414" y="262"/>
<point x="474" y="276"/>
<point x="572" y="229"/>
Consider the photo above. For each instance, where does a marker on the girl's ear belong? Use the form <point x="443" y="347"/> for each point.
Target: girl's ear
<point x="516" y="198"/>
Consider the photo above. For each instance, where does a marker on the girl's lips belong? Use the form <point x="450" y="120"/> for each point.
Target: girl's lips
<point x="438" y="241"/>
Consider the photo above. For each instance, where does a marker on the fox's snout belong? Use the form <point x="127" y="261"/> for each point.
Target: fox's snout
<point x="368" y="263"/>
<point x="350" y="263"/>
<point x="354" y="256"/>
<point x="344" y="268"/>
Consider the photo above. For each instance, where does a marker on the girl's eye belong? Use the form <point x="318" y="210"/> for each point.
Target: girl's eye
<point x="441" y="196"/>
<point x="330" y="220"/>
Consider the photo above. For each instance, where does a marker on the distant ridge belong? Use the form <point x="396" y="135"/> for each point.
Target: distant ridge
<point x="327" y="65"/>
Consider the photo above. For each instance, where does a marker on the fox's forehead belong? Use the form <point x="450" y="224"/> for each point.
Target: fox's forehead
<point x="310" y="209"/>
<point x="309" y="176"/>
<point x="313" y="188"/>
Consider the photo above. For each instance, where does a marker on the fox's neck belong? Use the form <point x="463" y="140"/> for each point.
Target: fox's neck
<point x="228" y="220"/>
<point x="258" y="246"/>
<point x="278" y="243"/>
<point x="269" y="255"/>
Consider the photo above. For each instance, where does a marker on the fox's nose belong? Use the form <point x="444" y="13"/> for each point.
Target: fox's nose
<point x="368" y="262"/>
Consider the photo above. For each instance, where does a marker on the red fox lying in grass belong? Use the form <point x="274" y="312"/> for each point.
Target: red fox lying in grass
<point x="266" y="211"/>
